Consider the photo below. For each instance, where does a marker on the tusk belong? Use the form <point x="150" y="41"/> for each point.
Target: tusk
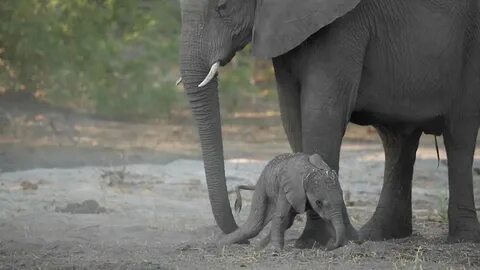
<point x="211" y="74"/>
<point x="179" y="81"/>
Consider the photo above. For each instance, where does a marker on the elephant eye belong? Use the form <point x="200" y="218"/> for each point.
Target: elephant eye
<point x="319" y="204"/>
<point x="221" y="7"/>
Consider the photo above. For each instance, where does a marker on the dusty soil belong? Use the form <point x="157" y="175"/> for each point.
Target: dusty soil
<point x="83" y="193"/>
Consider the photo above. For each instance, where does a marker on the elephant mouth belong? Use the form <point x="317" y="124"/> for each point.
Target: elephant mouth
<point x="225" y="60"/>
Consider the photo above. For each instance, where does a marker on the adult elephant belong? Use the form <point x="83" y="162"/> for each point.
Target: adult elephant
<point x="403" y="66"/>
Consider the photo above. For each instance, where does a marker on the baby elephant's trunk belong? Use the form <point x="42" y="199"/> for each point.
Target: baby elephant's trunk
<point x="340" y="232"/>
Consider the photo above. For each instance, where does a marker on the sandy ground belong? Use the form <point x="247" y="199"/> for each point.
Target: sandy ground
<point x="79" y="193"/>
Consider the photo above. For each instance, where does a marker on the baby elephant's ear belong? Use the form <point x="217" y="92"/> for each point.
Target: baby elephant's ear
<point x="318" y="162"/>
<point x="292" y="185"/>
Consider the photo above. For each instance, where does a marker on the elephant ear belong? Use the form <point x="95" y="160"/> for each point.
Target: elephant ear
<point x="292" y="185"/>
<point x="281" y="25"/>
<point x="318" y="162"/>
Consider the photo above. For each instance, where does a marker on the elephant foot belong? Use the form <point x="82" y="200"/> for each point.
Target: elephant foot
<point x="465" y="230"/>
<point x="383" y="226"/>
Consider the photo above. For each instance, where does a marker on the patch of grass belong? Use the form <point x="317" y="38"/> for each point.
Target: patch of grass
<point x="410" y="261"/>
<point x="113" y="58"/>
<point x="357" y="257"/>
<point x="442" y="209"/>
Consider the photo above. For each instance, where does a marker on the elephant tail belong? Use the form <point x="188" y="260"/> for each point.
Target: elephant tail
<point x="238" y="200"/>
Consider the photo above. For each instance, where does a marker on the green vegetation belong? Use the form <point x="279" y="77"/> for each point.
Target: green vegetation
<point x="113" y="58"/>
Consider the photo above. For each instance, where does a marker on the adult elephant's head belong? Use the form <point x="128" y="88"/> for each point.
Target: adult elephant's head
<point x="212" y="31"/>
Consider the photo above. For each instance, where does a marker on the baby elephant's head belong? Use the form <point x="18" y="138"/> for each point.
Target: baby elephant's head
<point x="326" y="197"/>
<point x="322" y="191"/>
<point x="310" y="179"/>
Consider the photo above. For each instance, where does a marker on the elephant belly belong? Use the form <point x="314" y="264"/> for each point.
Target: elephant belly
<point x="412" y="71"/>
<point x="402" y="100"/>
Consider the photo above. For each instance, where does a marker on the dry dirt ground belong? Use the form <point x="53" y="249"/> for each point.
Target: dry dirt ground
<point x="80" y="193"/>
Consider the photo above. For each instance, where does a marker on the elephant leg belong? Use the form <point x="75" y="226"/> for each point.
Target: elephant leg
<point x="325" y="115"/>
<point x="327" y="72"/>
<point x="393" y="216"/>
<point x="282" y="220"/>
<point x="460" y="139"/>
<point x="291" y="113"/>
<point x="266" y="239"/>
<point x="289" y="101"/>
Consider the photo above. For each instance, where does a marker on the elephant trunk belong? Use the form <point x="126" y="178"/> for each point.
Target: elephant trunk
<point x="260" y="214"/>
<point x="340" y="231"/>
<point x="205" y="108"/>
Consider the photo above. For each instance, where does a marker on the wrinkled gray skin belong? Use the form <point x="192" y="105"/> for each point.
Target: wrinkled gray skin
<point x="403" y="66"/>
<point x="291" y="184"/>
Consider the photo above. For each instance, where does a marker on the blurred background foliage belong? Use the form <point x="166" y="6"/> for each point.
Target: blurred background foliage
<point x="112" y="58"/>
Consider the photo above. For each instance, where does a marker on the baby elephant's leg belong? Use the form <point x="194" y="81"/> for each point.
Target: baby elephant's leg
<point x="266" y="239"/>
<point x="283" y="218"/>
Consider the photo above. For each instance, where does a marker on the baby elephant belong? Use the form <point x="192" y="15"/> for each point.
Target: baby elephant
<point x="291" y="184"/>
